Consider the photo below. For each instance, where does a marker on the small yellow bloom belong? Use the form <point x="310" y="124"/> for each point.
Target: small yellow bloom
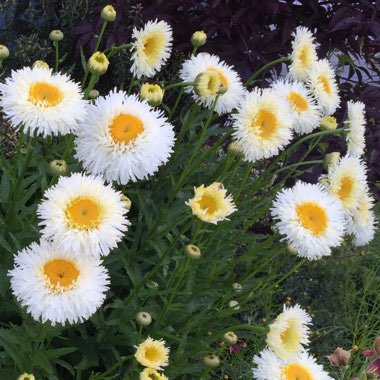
<point x="328" y="123"/>
<point x="199" y="38"/>
<point x="153" y="354"/>
<point x="26" y="376"/>
<point x="108" y="13"/>
<point x="211" y="204"/>
<point x="152" y="374"/>
<point x="152" y="93"/>
<point x="98" y="63"/>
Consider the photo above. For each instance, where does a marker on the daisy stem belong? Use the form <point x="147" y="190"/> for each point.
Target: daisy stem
<point x="131" y="84"/>
<point x="299" y="164"/>
<point x="100" y="35"/>
<point x="194" y="52"/>
<point x="116" y="49"/>
<point x="110" y="370"/>
<point x="91" y="85"/>
<point x="56" y="56"/>
<point x="179" y="96"/>
<point x="69" y="147"/>
<point x="179" y="84"/>
<point x="264" y="68"/>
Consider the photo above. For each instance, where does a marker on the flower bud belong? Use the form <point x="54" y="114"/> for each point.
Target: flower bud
<point x="152" y="93"/>
<point x="98" y="63"/>
<point x="151" y="284"/>
<point x="58" y="167"/>
<point x="237" y="287"/>
<point x="339" y="357"/>
<point x="211" y="361"/>
<point x="324" y="181"/>
<point x="26" y="376"/>
<point x="207" y="84"/>
<point x="199" y="38"/>
<point x="127" y="201"/>
<point x="328" y="123"/>
<point x="4" y="52"/>
<point x="291" y="249"/>
<point x="377" y="345"/>
<point x="56" y="35"/>
<point x="93" y="94"/>
<point x="193" y="251"/>
<point x="40" y="65"/>
<point x="234" y="149"/>
<point x="234" y="304"/>
<point x="331" y="159"/>
<point x="143" y="318"/>
<point x="230" y="338"/>
<point x="108" y="13"/>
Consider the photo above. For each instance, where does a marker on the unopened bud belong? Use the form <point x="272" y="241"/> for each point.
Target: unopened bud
<point x="98" y="63"/>
<point x="93" y="94"/>
<point x="230" y="338"/>
<point x="127" y="201"/>
<point x="199" y="38"/>
<point x="108" y="13"/>
<point x="151" y="284"/>
<point x="237" y="287"/>
<point x="193" y="251"/>
<point x="26" y="376"/>
<point x="324" y="181"/>
<point x="152" y="93"/>
<point x="211" y="361"/>
<point x="58" y="167"/>
<point x="328" y="123"/>
<point x="207" y="84"/>
<point x="4" y="52"/>
<point x="354" y="347"/>
<point x="143" y="318"/>
<point x="40" y="65"/>
<point x="331" y="160"/>
<point x="234" y="304"/>
<point x="234" y="149"/>
<point x="292" y="249"/>
<point x="339" y="357"/>
<point x="56" y="35"/>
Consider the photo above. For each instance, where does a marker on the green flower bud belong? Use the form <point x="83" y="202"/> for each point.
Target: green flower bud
<point x="108" y="13"/>
<point x="211" y="361"/>
<point x="4" y="52"/>
<point x="199" y="38"/>
<point x="193" y="251"/>
<point x="143" y="318"/>
<point x="56" y="35"/>
<point x="58" y="167"/>
<point x="98" y="63"/>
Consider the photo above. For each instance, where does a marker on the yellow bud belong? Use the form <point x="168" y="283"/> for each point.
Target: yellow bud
<point x="199" y="38"/>
<point x="56" y="35"/>
<point x="4" y="52"/>
<point x="40" y="65"/>
<point x="58" y="167"/>
<point x="98" y="63"/>
<point x="26" y="376"/>
<point x="193" y="251"/>
<point x="207" y="84"/>
<point x="234" y="304"/>
<point x="234" y="149"/>
<point x="328" y="123"/>
<point x="237" y="287"/>
<point x="211" y="361"/>
<point x="93" y="94"/>
<point x="152" y="93"/>
<point x="291" y="249"/>
<point x="108" y="13"/>
<point x="331" y="159"/>
<point x="143" y="318"/>
<point x="127" y="201"/>
<point x="230" y="338"/>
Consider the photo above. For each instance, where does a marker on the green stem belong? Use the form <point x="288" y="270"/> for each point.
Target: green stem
<point x="116" y="365"/>
<point x="91" y="85"/>
<point x="56" y="56"/>
<point x="299" y="164"/>
<point x="69" y="147"/>
<point x="179" y="96"/>
<point x="264" y="68"/>
<point x="100" y="35"/>
<point x="131" y="84"/>
<point x="116" y="49"/>
<point x="194" y="52"/>
<point x="179" y="84"/>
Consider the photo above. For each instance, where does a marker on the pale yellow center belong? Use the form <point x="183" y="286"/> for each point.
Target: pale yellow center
<point x="61" y="273"/>
<point x="125" y="128"/>
<point x="297" y="101"/>
<point x="84" y="213"/>
<point x="305" y="56"/>
<point x="223" y="79"/>
<point x="266" y="123"/>
<point x="326" y="84"/>
<point x="290" y="337"/>
<point x="153" y="47"/>
<point x="346" y="186"/>
<point x="313" y="217"/>
<point x="296" y="372"/>
<point x="152" y="354"/>
<point x="45" y="93"/>
<point x="208" y="204"/>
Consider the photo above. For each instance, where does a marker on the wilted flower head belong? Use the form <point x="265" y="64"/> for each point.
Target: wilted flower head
<point x="339" y="358"/>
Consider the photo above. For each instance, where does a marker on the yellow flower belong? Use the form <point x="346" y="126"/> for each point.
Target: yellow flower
<point x="26" y="376"/>
<point x="211" y="204"/>
<point x="152" y="374"/>
<point x="152" y="354"/>
<point x="98" y="63"/>
<point x="152" y="93"/>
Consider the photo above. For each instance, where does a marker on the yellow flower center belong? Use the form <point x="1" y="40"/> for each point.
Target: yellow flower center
<point x="208" y="203"/>
<point x="61" y="273"/>
<point x="152" y="354"/>
<point x="125" y="128"/>
<point x="45" y="93"/>
<point x="326" y="84"/>
<point x="84" y="213"/>
<point x="153" y="46"/>
<point x="346" y="186"/>
<point x="223" y="79"/>
<point x="296" y="371"/>
<point x="266" y="123"/>
<point x="297" y="101"/>
<point x="290" y="337"/>
<point x="313" y="217"/>
<point x="305" y="56"/>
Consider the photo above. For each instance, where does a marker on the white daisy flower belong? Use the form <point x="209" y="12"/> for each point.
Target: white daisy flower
<point x="311" y="219"/>
<point x="57" y="287"/>
<point x="229" y="78"/>
<point x="262" y="125"/>
<point x="289" y="332"/>
<point x="347" y="181"/>
<point x="362" y="224"/>
<point x="211" y="204"/>
<point x="82" y="216"/>
<point x="356" y="128"/>
<point x="42" y="102"/>
<point x="151" y="48"/>
<point x="303" y="55"/>
<point x="304" y="366"/>
<point x="302" y="106"/>
<point x="324" y="86"/>
<point x="123" y="138"/>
